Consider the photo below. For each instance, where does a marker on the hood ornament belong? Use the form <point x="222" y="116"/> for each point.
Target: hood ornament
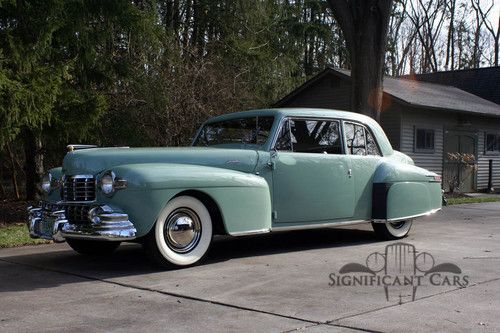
<point x="73" y="147"/>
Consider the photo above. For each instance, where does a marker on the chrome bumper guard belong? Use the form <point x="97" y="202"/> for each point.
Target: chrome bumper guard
<point x="103" y="224"/>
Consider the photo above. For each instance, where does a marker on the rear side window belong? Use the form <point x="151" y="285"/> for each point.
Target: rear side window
<point x="359" y="140"/>
<point x="310" y="136"/>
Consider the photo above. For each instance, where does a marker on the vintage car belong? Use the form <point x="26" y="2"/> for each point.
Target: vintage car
<point x="245" y="173"/>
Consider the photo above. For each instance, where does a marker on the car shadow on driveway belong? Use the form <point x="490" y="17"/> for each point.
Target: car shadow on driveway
<point x="281" y="242"/>
<point x="130" y="261"/>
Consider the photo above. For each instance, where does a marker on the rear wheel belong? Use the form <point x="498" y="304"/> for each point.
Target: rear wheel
<point x="392" y="230"/>
<point x="182" y="234"/>
<point x="88" y="247"/>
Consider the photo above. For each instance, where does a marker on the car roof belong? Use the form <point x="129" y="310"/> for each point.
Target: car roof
<point x="295" y="112"/>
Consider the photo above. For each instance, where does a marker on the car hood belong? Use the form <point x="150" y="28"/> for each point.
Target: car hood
<point x="96" y="160"/>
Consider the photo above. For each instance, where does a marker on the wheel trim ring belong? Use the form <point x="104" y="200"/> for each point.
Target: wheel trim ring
<point x="176" y="238"/>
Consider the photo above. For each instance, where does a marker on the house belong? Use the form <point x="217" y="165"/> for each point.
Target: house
<point x="428" y="117"/>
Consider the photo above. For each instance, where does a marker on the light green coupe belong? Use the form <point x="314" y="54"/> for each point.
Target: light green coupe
<point x="245" y="173"/>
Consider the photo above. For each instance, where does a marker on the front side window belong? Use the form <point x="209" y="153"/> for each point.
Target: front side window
<point x="310" y="136"/>
<point x="424" y="139"/>
<point x="284" y="142"/>
<point x="492" y="142"/>
<point x="253" y="131"/>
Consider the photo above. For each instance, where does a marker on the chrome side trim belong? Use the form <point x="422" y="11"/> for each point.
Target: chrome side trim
<point x="250" y="232"/>
<point x="319" y="225"/>
<point x="398" y="219"/>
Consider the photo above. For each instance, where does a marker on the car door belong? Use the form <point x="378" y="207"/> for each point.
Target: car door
<point x="311" y="175"/>
<point x="364" y="154"/>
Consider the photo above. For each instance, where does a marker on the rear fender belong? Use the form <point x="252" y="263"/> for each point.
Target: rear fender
<point x="403" y="191"/>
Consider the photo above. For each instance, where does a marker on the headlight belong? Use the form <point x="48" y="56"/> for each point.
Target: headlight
<point x="110" y="183"/>
<point x="46" y="182"/>
<point x="107" y="183"/>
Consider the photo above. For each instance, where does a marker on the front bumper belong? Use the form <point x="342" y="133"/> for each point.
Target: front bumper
<point x="50" y="222"/>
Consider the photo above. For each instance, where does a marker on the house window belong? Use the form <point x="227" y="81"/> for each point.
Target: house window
<point x="492" y="142"/>
<point x="424" y="139"/>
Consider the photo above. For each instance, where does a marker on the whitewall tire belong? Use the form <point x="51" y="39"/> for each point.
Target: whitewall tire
<point x="182" y="234"/>
<point x="392" y="230"/>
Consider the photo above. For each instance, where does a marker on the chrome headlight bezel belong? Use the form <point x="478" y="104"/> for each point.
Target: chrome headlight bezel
<point x="109" y="183"/>
<point x="106" y="183"/>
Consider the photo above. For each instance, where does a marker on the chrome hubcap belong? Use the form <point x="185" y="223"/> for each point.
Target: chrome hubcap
<point x="398" y="225"/>
<point x="182" y="230"/>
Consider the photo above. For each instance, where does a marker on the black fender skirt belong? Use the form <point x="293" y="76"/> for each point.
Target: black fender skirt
<point x="379" y="200"/>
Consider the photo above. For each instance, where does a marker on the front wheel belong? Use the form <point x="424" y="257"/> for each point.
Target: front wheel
<point x="92" y="248"/>
<point x="392" y="230"/>
<point x="182" y="233"/>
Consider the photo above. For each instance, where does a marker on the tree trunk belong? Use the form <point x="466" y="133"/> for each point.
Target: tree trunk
<point x="33" y="164"/>
<point x="364" y="24"/>
<point x="450" y="44"/>
<point x="14" y="173"/>
<point x="496" y="50"/>
<point x="2" y="189"/>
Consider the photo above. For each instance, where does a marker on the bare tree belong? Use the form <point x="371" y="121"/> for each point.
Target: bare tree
<point x="482" y="18"/>
<point x="450" y="44"/>
<point x="364" y="24"/>
<point x="427" y="19"/>
<point x="398" y="17"/>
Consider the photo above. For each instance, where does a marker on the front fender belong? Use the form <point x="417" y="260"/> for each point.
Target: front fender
<point x="243" y="199"/>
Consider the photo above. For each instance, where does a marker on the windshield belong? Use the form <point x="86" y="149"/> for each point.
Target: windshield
<point x="247" y="133"/>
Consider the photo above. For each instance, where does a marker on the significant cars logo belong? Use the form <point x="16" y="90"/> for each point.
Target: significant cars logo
<point x="400" y="270"/>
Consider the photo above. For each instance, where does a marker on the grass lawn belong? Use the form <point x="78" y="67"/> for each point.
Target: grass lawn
<point x="17" y="235"/>
<point x="457" y="201"/>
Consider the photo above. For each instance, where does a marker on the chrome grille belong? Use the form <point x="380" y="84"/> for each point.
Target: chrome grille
<point x="75" y="214"/>
<point x="79" y="188"/>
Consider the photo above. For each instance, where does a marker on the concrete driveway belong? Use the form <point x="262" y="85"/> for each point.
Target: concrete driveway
<point x="273" y="283"/>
